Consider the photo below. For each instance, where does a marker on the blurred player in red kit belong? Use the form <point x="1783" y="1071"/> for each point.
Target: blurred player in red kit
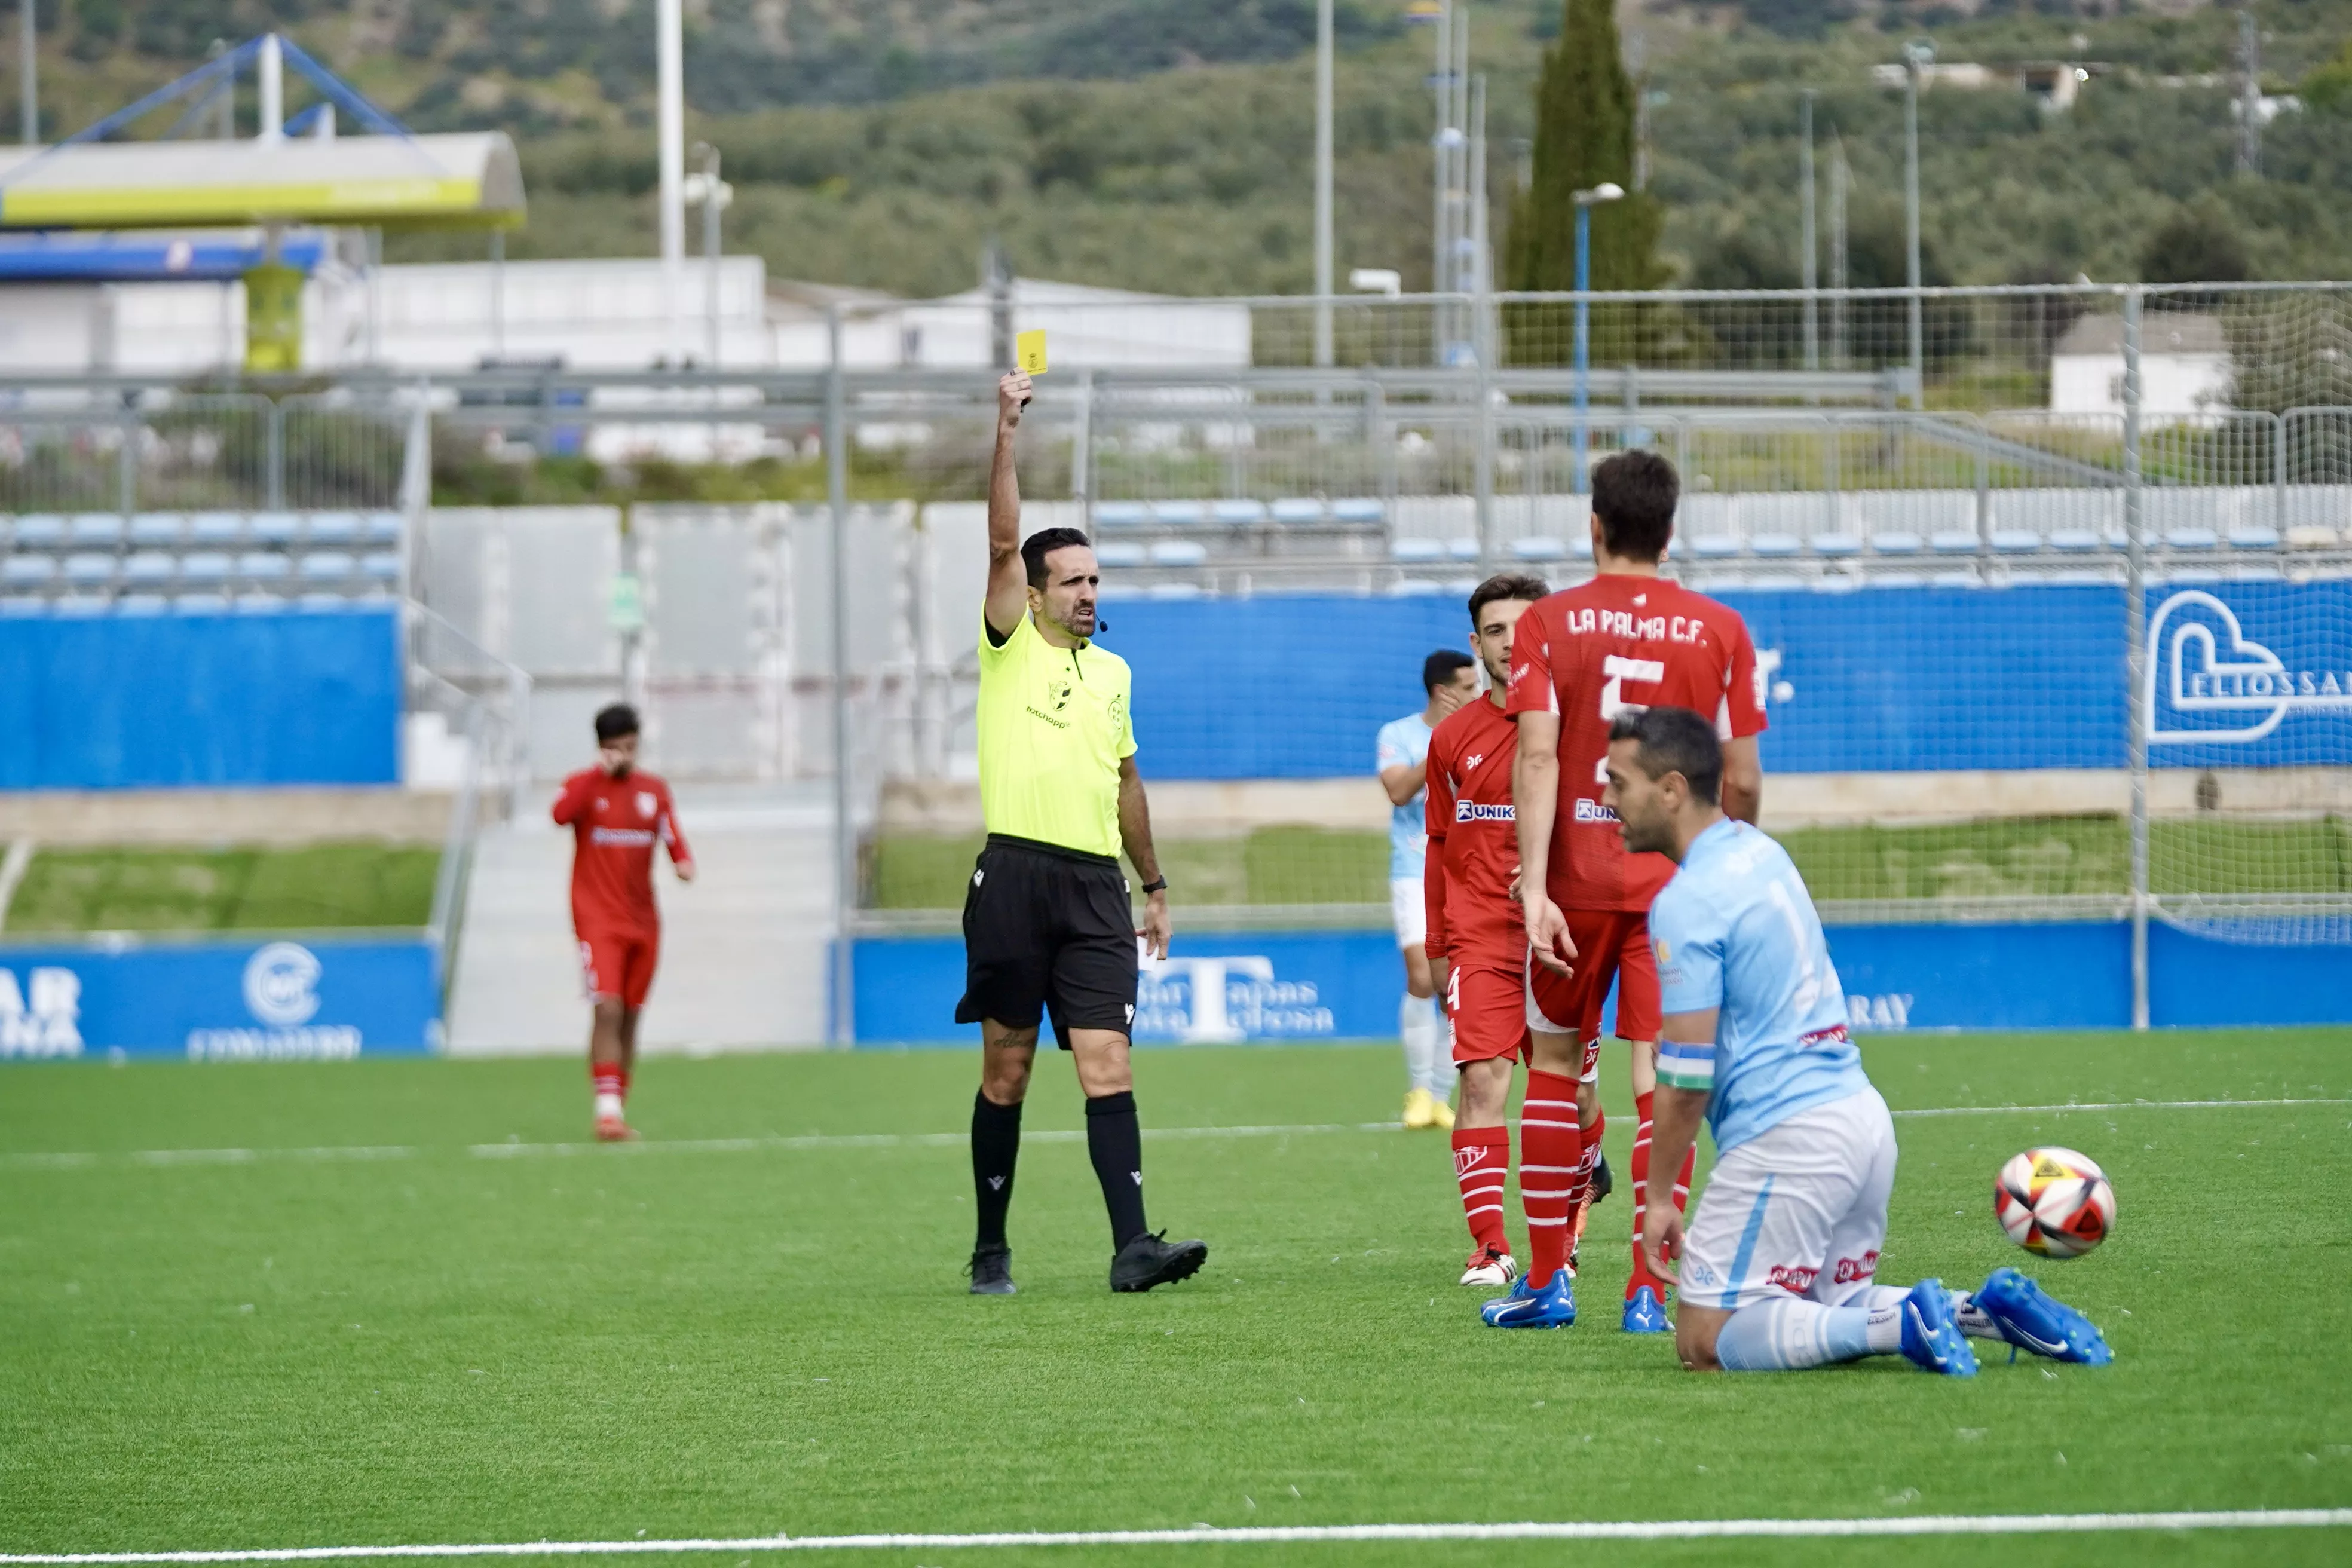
<point x="1477" y="945"/>
<point x="1628" y="640"/>
<point x="617" y="814"/>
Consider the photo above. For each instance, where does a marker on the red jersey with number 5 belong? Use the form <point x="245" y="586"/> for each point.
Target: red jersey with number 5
<point x="1607" y="646"/>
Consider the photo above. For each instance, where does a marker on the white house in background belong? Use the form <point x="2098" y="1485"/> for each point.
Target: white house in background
<point x="2184" y="368"/>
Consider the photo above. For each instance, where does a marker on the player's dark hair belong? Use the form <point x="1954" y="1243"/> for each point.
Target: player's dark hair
<point x="1438" y="668"/>
<point x="1043" y="542"/>
<point x="615" y="722"/>
<point x="1505" y="585"/>
<point x="1676" y="740"/>
<point x="1634" y="495"/>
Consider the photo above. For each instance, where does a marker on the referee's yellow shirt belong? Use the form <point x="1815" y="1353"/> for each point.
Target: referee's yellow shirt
<point x="1053" y="724"/>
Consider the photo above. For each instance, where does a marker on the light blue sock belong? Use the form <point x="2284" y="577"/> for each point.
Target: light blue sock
<point x="1790" y="1333"/>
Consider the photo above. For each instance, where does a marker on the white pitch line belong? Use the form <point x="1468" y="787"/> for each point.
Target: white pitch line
<point x="82" y="1160"/>
<point x="1253" y="1535"/>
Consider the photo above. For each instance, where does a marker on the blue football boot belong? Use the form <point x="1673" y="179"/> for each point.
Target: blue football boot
<point x="1931" y="1340"/>
<point x="1645" y="1314"/>
<point x="1553" y="1307"/>
<point x="2030" y="1318"/>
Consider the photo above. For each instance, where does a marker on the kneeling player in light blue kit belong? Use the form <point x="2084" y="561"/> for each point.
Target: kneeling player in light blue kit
<point x="1778" y="1269"/>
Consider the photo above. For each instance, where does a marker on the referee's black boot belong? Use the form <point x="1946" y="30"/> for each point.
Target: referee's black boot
<point x="1150" y="1259"/>
<point x="991" y="1271"/>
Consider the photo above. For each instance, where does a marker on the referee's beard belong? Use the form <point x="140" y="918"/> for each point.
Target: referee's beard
<point x="1077" y="620"/>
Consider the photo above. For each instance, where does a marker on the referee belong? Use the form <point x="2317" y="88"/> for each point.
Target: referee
<point x="1046" y="921"/>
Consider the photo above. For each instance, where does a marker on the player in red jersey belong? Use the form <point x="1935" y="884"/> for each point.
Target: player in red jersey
<point x="617" y="814"/>
<point x="1477" y="940"/>
<point x="1626" y="640"/>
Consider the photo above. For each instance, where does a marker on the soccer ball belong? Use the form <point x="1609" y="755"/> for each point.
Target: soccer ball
<point x="2054" y="1202"/>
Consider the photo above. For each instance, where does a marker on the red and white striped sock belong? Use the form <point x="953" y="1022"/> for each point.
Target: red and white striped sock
<point x="1641" y="1176"/>
<point x="1551" y="1164"/>
<point x="612" y="1087"/>
<point x="1482" y="1164"/>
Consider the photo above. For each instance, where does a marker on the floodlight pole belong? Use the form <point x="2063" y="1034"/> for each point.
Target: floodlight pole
<point x="671" y="81"/>
<point x="1607" y="192"/>
<point x="1323" y="154"/>
<point x="29" y="74"/>
<point x="270" y="74"/>
<point x="1810" y="245"/>
<point x="1916" y="56"/>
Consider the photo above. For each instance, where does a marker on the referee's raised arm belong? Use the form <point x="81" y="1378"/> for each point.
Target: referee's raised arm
<point x="1008" y="583"/>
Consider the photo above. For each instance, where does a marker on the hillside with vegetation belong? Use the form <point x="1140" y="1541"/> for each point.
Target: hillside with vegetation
<point x="1162" y="145"/>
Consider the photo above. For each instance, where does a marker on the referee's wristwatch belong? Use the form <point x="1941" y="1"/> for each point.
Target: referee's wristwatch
<point x="1157" y="885"/>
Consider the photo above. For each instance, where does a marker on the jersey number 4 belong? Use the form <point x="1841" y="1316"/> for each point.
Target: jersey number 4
<point x="1615" y="671"/>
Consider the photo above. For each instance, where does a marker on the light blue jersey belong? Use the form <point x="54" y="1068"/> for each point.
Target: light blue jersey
<point x="1404" y="744"/>
<point x="1736" y="930"/>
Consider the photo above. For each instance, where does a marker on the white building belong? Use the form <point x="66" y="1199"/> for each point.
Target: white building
<point x="2184" y="368"/>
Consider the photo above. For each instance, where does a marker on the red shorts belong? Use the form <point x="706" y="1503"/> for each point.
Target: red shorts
<point x="1490" y="1020"/>
<point x="1611" y="944"/>
<point x="619" y="964"/>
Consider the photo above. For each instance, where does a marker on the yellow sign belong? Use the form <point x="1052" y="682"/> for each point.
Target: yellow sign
<point x="1029" y="350"/>
<point x="273" y="319"/>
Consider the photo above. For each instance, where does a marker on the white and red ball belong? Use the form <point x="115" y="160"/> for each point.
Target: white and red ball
<point x="2054" y="1202"/>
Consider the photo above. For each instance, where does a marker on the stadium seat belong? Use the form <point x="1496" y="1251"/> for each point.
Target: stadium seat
<point x="157" y="528"/>
<point x="19" y="609"/>
<point x="82" y="605"/>
<point x="1461" y="587"/>
<point x="216" y="528"/>
<point x="2016" y="542"/>
<point x="1894" y="580"/>
<point x="1956" y="580"/>
<point x="88" y="530"/>
<point x="27" y="571"/>
<point x="88" y="569"/>
<point x="39" y="530"/>
<point x="327" y="566"/>
<point x="1460" y="549"/>
<point x="206" y="566"/>
<point x="2310" y="536"/>
<point x="1837" y="544"/>
<point x="257" y="605"/>
<point x="1120" y="513"/>
<point x="1776" y="546"/>
<point x="273" y="527"/>
<point x="1238" y="514"/>
<point x="1715" y="547"/>
<point x="2191" y="538"/>
<point x="332" y="527"/>
<point x="1836" y="583"/>
<point x="321" y="601"/>
<point x="142" y="605"/>
<point x="1896" y="542"/>
<point x="2076" y="579"/>
<point x="2075" y="541"/>
<point x="1173" y="591"/>
<point x="1179" y="552"/>
<point x="1415" y="588"/>
<point x="1416" y="549"/>
<point x="1538" y="547"/>
<point x="1298" y="509"/>
<point x="383" y="566"/>
<point x="1777" y="583"/>
<point x="384" y="527"/>
<point x="1953" y="541"/>
<point x="1119" y="552"/>
<point x="2252" y="536"/>
<point x="263" y="566"/>
<point x="1177" y="513"/>
<point x="201" y="604"/>
<point x="149" y="566"/>
<point x="1364" y="509"/>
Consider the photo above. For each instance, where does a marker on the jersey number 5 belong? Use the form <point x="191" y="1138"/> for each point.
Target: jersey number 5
<point x="1615" y="671"/>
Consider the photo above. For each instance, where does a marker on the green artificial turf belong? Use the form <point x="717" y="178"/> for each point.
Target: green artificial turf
<point x="241" y="887"/>
<point x="442" y="1341"/>
<point x="2008" y="856"/>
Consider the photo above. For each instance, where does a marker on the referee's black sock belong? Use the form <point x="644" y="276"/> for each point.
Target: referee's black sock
<point x="995" y="1148"/>
<point x="1115" y="1141"/>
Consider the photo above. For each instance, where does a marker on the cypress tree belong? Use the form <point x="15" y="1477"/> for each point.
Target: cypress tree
<point x="1584" y="135"/>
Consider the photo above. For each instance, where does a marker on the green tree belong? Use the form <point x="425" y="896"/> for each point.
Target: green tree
<point x="2329" y="88"/>
<point x="1584" y="135"/>
<point x="2197" y="244"/>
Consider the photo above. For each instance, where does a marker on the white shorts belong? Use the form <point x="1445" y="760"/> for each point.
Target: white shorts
<point x="1800" y="1208"/>
<point x="1409" y="908"/>
<point x="1542" y="1022"/>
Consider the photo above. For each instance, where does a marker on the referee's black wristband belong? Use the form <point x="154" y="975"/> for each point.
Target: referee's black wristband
<point x="1157" y="885"/>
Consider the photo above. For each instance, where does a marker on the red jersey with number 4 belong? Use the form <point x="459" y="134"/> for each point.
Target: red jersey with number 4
<point x="1594" y="651"/>
<point x="1474" y="838"/>
<point x="615" y="823"/>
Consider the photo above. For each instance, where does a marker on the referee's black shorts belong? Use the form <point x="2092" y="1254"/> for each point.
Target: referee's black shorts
<point x="1047" y="927"/>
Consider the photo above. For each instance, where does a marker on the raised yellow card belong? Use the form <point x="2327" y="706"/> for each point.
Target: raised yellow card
<point x="1029" y="350"/>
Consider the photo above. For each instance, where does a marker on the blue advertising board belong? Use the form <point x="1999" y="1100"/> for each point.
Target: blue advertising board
<point x="319" y="999"/>
<point x="295" y="697"/>
<point x="2244" y="674"/>
<point x="1265" y="986"/>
